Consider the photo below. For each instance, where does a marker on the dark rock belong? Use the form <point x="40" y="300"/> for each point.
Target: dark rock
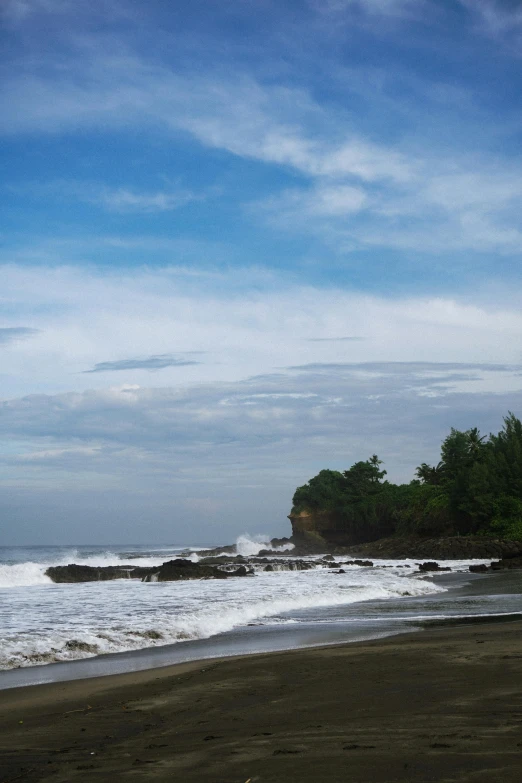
<point x="222" y="560"/>
<point x="478" y="569"/>
<point x="443" y="548"/>
<point x="367" y="563"/>
<point x="310" y="543"/>
<point x="230" y="549"/>
<point x="513" y="554"/>
<point x="269" y="567"/>
<point x="431" y="566"/>
<point x="280" y="564"/>
<point x="507" y="562"/>
<point x="280" y="542"/>
<point x="241" y="571"/>
<point x="174" y="570"/>
<point x="83" y="573"/>
<point x="341" y="571"/>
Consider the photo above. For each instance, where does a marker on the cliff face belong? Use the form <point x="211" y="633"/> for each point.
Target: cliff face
<point x="319" y="527"/>
<point x="322" y="531"/>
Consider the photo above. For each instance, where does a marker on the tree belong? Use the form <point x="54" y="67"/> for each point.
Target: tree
<point x="321" y="492"/>
<point x="475" y="488"/>
<point x="429" y="474"/>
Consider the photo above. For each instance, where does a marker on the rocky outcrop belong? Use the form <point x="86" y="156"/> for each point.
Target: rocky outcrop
<point x="363" y="563"/>
<point x="317" y="532"/>
<point x="314" y="532"/>
<point x="175" y="570"/>
<point x="83" y="573"/>
<point x="509" y="561"/>
<point x="229" y="552"/>
<point x="171" y="571"/>
<point x="431" y="566"/>
<point x="229" y="549"/>
<point x="276" y="543"/>
<point x="448" y="548"/>
<point x="222" y="560"/>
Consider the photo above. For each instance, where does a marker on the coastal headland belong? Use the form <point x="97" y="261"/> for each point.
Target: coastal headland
<point x="441" y="705"/>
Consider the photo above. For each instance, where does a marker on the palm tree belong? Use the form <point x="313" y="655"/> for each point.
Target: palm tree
<point x="475" y="442"/>
<point x="429" y="474"/>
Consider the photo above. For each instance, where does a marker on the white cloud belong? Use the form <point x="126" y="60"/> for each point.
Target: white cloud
<point x="271" y="124"/>
<point x="247" y="323"/>
<point x="218" y="440"/>
<point x="123" y="200"/>
<point x="126" y="200"/>
<point x="416" y="196"/>
<point x="444" y="205"/>
<point x="242" y="429"/>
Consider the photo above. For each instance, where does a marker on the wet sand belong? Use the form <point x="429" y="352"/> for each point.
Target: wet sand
<point x="444" y="704"/>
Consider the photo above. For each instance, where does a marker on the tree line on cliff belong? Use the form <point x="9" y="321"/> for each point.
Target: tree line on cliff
<point x="476" y="488"/>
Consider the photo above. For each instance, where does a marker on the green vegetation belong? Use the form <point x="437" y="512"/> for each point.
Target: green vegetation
<point x="476" y="488"/>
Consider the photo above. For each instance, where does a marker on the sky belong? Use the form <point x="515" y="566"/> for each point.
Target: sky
<point x="245" y="240"/>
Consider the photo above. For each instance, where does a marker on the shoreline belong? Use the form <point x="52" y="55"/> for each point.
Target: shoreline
<point x="246" y="640"/>
<point x="263" y="639"/>
<point x="444" y="704"/>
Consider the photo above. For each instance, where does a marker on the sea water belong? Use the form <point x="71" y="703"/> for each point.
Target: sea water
<point x="42" y="622"/>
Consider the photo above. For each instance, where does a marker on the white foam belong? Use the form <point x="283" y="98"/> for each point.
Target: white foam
<point x="79" y="621"/>
<point x="248" y="545"/>
<point x="23" y="575"/>
<point x="56" y="622"/>
<point x="31" y="573"/>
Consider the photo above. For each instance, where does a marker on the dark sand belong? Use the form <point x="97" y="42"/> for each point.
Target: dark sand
<point x="444" y="704"/>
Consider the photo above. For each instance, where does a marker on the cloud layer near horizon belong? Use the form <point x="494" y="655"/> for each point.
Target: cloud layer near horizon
<point x="281" y="392"/>
<point x="246" y="322"/>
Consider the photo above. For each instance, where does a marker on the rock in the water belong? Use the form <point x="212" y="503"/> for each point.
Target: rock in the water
<point x="432" y="566"/>
<point x="83" y="573"/>
<point x="479" y="569"/>
<point x="241" y="571"/>
<point x="507" y="562"/>
<point x="176" y="570"/>
<point x="367" y="563"/>
<point x="222" y="560"/>
<point x="281" y="542"/>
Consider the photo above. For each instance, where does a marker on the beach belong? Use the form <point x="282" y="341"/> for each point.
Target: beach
<point x="442" y="704"/>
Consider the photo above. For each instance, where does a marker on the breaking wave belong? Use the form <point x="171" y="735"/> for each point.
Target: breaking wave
<point x="247" y="545"/>
<point x="32" y="573"/>
<point x="117" y="617"/>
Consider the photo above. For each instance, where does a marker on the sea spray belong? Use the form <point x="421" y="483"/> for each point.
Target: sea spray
<point x="248" y="545"/>
<point x="41" y="621"/>
<point x="30" y="573"/>
<point x="81" y="620"/>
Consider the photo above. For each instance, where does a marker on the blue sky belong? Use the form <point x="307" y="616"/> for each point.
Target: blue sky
<point x="242" y="241"/>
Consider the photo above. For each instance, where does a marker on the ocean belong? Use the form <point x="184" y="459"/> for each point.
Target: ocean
<point x="61" y="631"/>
